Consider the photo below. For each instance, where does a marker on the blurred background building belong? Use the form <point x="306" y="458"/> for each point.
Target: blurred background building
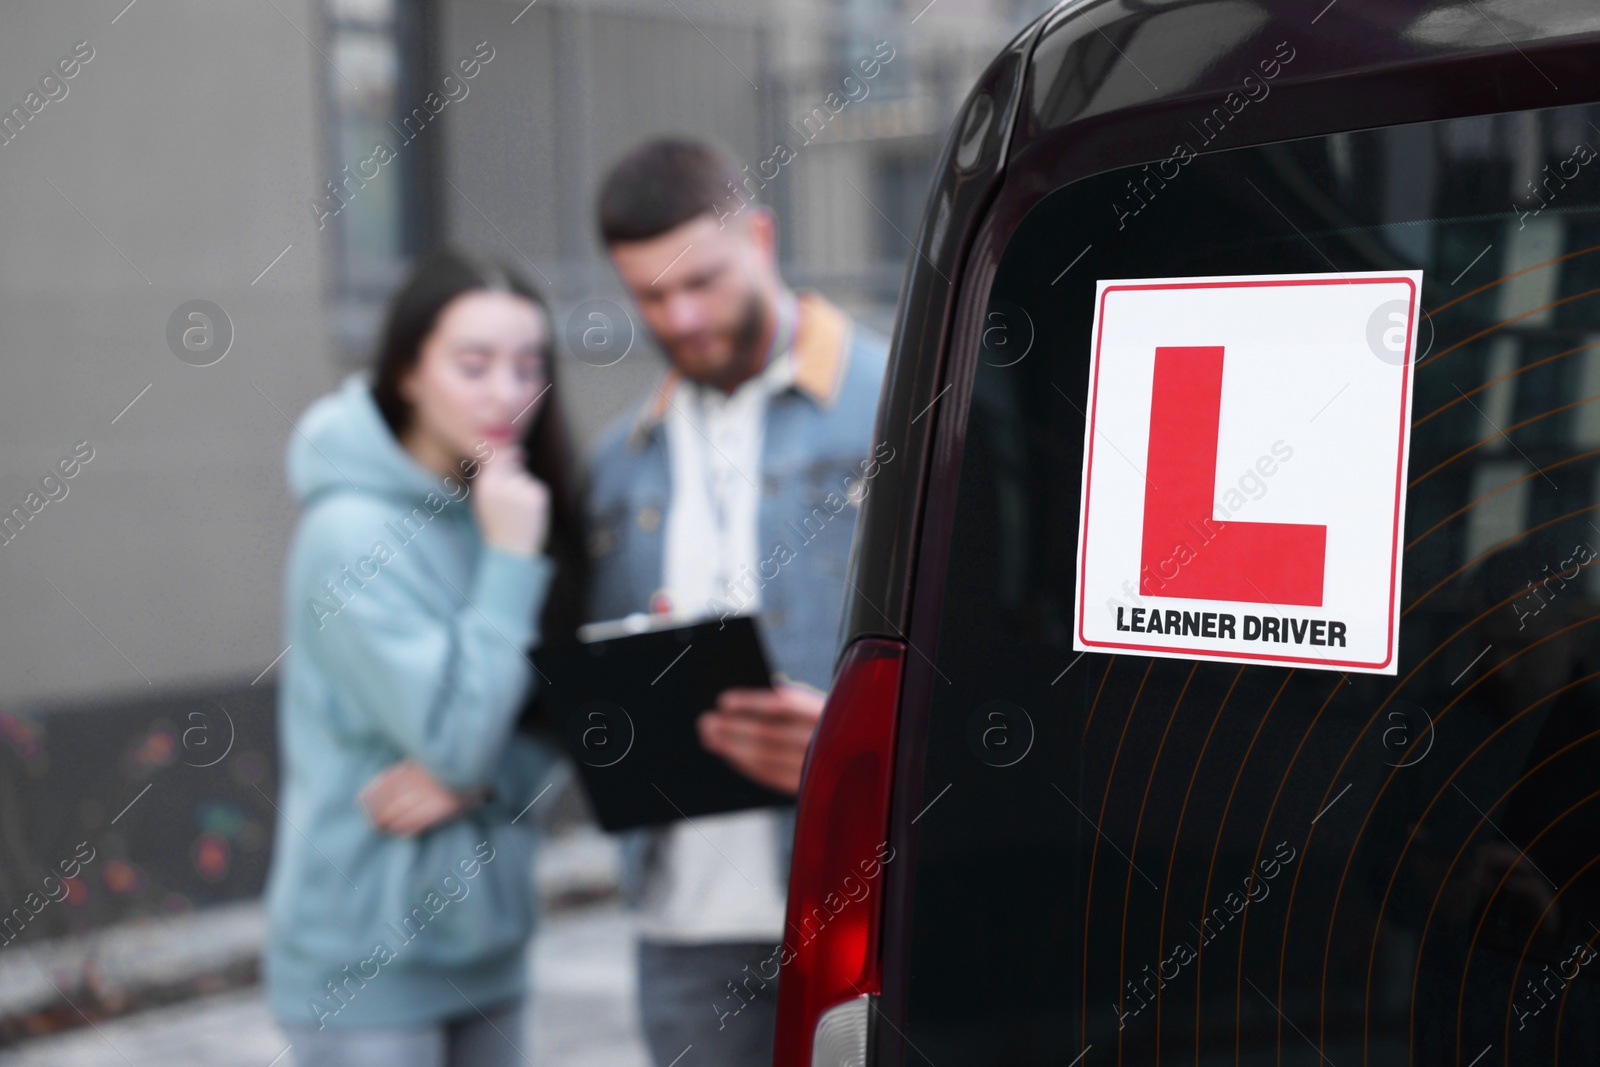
<point x="230" y="154"/>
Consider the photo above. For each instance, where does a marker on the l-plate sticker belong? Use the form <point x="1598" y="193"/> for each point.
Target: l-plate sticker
<point x="1244" y="469"/>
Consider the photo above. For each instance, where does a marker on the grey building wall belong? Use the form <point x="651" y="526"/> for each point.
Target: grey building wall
<point x="577" y="82"/>
<point x="181" y="162"/>
<point x="175" y="168"/>
<point x="572" y="86"/>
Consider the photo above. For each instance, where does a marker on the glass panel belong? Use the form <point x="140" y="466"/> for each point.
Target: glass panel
<point x="371" y="238"/>
<point x="372" y="11"/>
<point x="1175" y="861"/>
<point x="367" y="202"/>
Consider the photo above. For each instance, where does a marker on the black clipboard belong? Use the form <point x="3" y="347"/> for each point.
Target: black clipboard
<point x="626" y="708"/>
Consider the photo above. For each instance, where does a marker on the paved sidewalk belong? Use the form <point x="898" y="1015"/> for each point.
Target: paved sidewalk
<point x="584" y="1015"/>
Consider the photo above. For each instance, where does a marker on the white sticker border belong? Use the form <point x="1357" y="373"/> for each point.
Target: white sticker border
<point x="1389" y="665"/>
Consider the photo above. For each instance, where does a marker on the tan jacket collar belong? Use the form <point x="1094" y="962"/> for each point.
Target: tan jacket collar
<point x="821" y="354"/>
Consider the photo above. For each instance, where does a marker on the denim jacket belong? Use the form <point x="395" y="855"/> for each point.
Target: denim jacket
<point x="817" y="465"/>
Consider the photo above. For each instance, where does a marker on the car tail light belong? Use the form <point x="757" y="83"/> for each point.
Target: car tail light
<point x="840" y="847"/>
<point x="841" y="1037"/>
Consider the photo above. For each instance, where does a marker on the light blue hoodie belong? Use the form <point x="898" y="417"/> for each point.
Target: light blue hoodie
<point x="407" y="637"/>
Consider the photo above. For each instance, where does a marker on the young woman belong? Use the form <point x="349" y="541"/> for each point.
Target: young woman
<point x="437" y="543"/>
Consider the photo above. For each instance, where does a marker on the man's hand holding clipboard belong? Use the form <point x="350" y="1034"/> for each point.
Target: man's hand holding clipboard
<point x="764" y="733"/>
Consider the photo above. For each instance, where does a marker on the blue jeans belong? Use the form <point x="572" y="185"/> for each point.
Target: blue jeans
<point x="495" y="1038"/>
<point x="710" y="997"/>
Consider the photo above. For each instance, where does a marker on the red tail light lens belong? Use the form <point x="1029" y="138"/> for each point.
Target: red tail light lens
<point x="830" y="953"/>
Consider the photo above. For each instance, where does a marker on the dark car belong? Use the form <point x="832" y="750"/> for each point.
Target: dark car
<point x="1042" y="824"/>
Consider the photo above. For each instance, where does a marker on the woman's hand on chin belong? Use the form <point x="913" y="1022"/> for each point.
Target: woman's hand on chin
<point x="404" y="799"/>
<point x="511" y="505"/>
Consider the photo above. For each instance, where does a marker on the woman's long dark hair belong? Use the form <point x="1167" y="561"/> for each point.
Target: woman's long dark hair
<point x="435" y="280"/>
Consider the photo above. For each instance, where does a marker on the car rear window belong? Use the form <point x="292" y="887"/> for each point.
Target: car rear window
<point x="1164" y="860"/>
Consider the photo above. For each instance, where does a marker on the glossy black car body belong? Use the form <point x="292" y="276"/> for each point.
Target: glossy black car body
<point x="999" y="932"/>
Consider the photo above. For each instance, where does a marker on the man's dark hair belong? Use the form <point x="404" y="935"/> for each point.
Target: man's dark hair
<point x="662" y="184"/>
